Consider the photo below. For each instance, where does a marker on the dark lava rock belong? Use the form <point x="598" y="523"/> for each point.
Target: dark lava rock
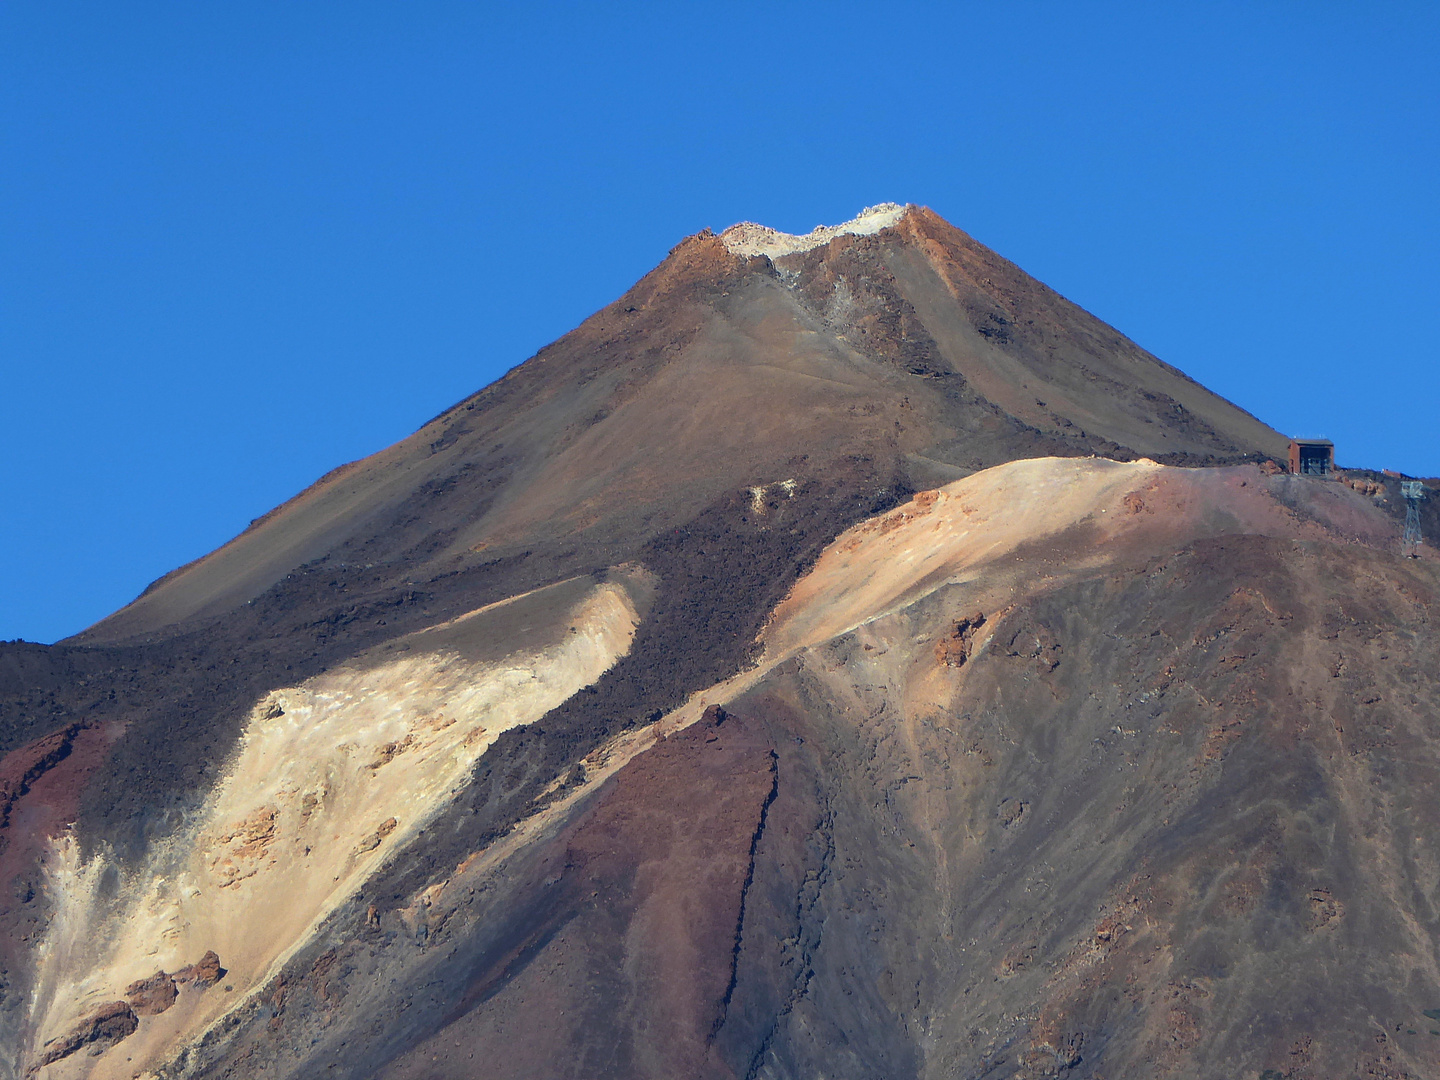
<point x="153" y="995"/>
<point x="100" y="1030"/>
<point x="205" y="973"/>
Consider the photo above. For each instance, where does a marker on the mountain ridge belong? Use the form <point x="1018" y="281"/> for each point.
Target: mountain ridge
<point x="850" y="660"/>
<point x="690" y="290"/>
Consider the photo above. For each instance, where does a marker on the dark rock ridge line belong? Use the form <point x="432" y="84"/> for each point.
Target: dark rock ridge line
<point x="717" y="719"/>
<point x="720" y="577"/>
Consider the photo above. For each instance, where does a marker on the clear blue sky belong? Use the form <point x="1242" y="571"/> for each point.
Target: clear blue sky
<point x="243" y="243"/>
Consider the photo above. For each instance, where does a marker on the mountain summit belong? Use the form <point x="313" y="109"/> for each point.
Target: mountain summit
<point x="893" y="345"/>
<point x="839" y="656"/>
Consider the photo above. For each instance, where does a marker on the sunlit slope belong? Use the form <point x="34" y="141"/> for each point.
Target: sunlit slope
<point x="1049" y="363"/>
<point x="331" y="778"/>
<point x="1029" y="525"/>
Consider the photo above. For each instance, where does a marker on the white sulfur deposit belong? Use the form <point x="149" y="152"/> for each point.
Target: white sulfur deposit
<point x="749" y="239"/>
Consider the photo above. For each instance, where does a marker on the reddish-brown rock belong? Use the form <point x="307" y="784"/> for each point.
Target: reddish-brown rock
<point x="102" y="1029"/>
<point x="153" y="995"/>
<point x="204" y="973"/>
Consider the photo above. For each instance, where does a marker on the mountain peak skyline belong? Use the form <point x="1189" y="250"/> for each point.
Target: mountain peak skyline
<point x="799" y="354"/>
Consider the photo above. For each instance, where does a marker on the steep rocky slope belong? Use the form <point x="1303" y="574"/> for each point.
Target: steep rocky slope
<point x="914" y="349"/>
<point x="636" y="717"/>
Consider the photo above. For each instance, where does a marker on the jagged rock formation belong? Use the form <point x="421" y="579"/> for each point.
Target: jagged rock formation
<point x="840" y="656"/>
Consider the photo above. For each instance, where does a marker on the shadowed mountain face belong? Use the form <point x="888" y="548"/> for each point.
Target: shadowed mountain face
<point x="840" y="656"/>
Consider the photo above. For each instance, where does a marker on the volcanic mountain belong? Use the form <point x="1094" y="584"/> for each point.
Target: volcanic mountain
<point x="839" y="656"/>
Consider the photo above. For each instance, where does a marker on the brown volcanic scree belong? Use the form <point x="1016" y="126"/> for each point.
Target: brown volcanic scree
<point x="841" y="656"/>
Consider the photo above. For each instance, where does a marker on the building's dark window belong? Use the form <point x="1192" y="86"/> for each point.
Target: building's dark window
<point x="1314" y="460"/>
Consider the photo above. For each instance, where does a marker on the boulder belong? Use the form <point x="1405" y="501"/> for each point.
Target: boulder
<point x="206" y="972"/>
<point x="153" y="995"/>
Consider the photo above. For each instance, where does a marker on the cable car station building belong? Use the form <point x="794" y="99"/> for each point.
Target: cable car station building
<point x="1312" y="457"/>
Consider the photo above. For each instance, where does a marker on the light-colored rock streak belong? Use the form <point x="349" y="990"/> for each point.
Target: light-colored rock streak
<point x="750" y="239"/>
<point x="969" y="532"/>
<point x="957" y="533"/>
<point x="330" y="778"/>
<point x="973" y="533"/>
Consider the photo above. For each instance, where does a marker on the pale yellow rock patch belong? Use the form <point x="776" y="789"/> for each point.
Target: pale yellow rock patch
<point x="329" y="779"/>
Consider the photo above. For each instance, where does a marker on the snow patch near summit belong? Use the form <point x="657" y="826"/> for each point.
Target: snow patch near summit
<point x="749" y="239"/>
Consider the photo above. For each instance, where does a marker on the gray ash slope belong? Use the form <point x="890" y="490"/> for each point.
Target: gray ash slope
<point x="718" y="425"/>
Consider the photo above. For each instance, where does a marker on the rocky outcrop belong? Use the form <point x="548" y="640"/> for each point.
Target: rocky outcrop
<point x="21" y="768"/>
<point x="204" y="973"/>
<point x="99" y="1031"/>
<point x="152" y="995"/>
<point x="118" y="1020"/>
<point x="954" y="648"/>
<point x="376" y="838"/>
